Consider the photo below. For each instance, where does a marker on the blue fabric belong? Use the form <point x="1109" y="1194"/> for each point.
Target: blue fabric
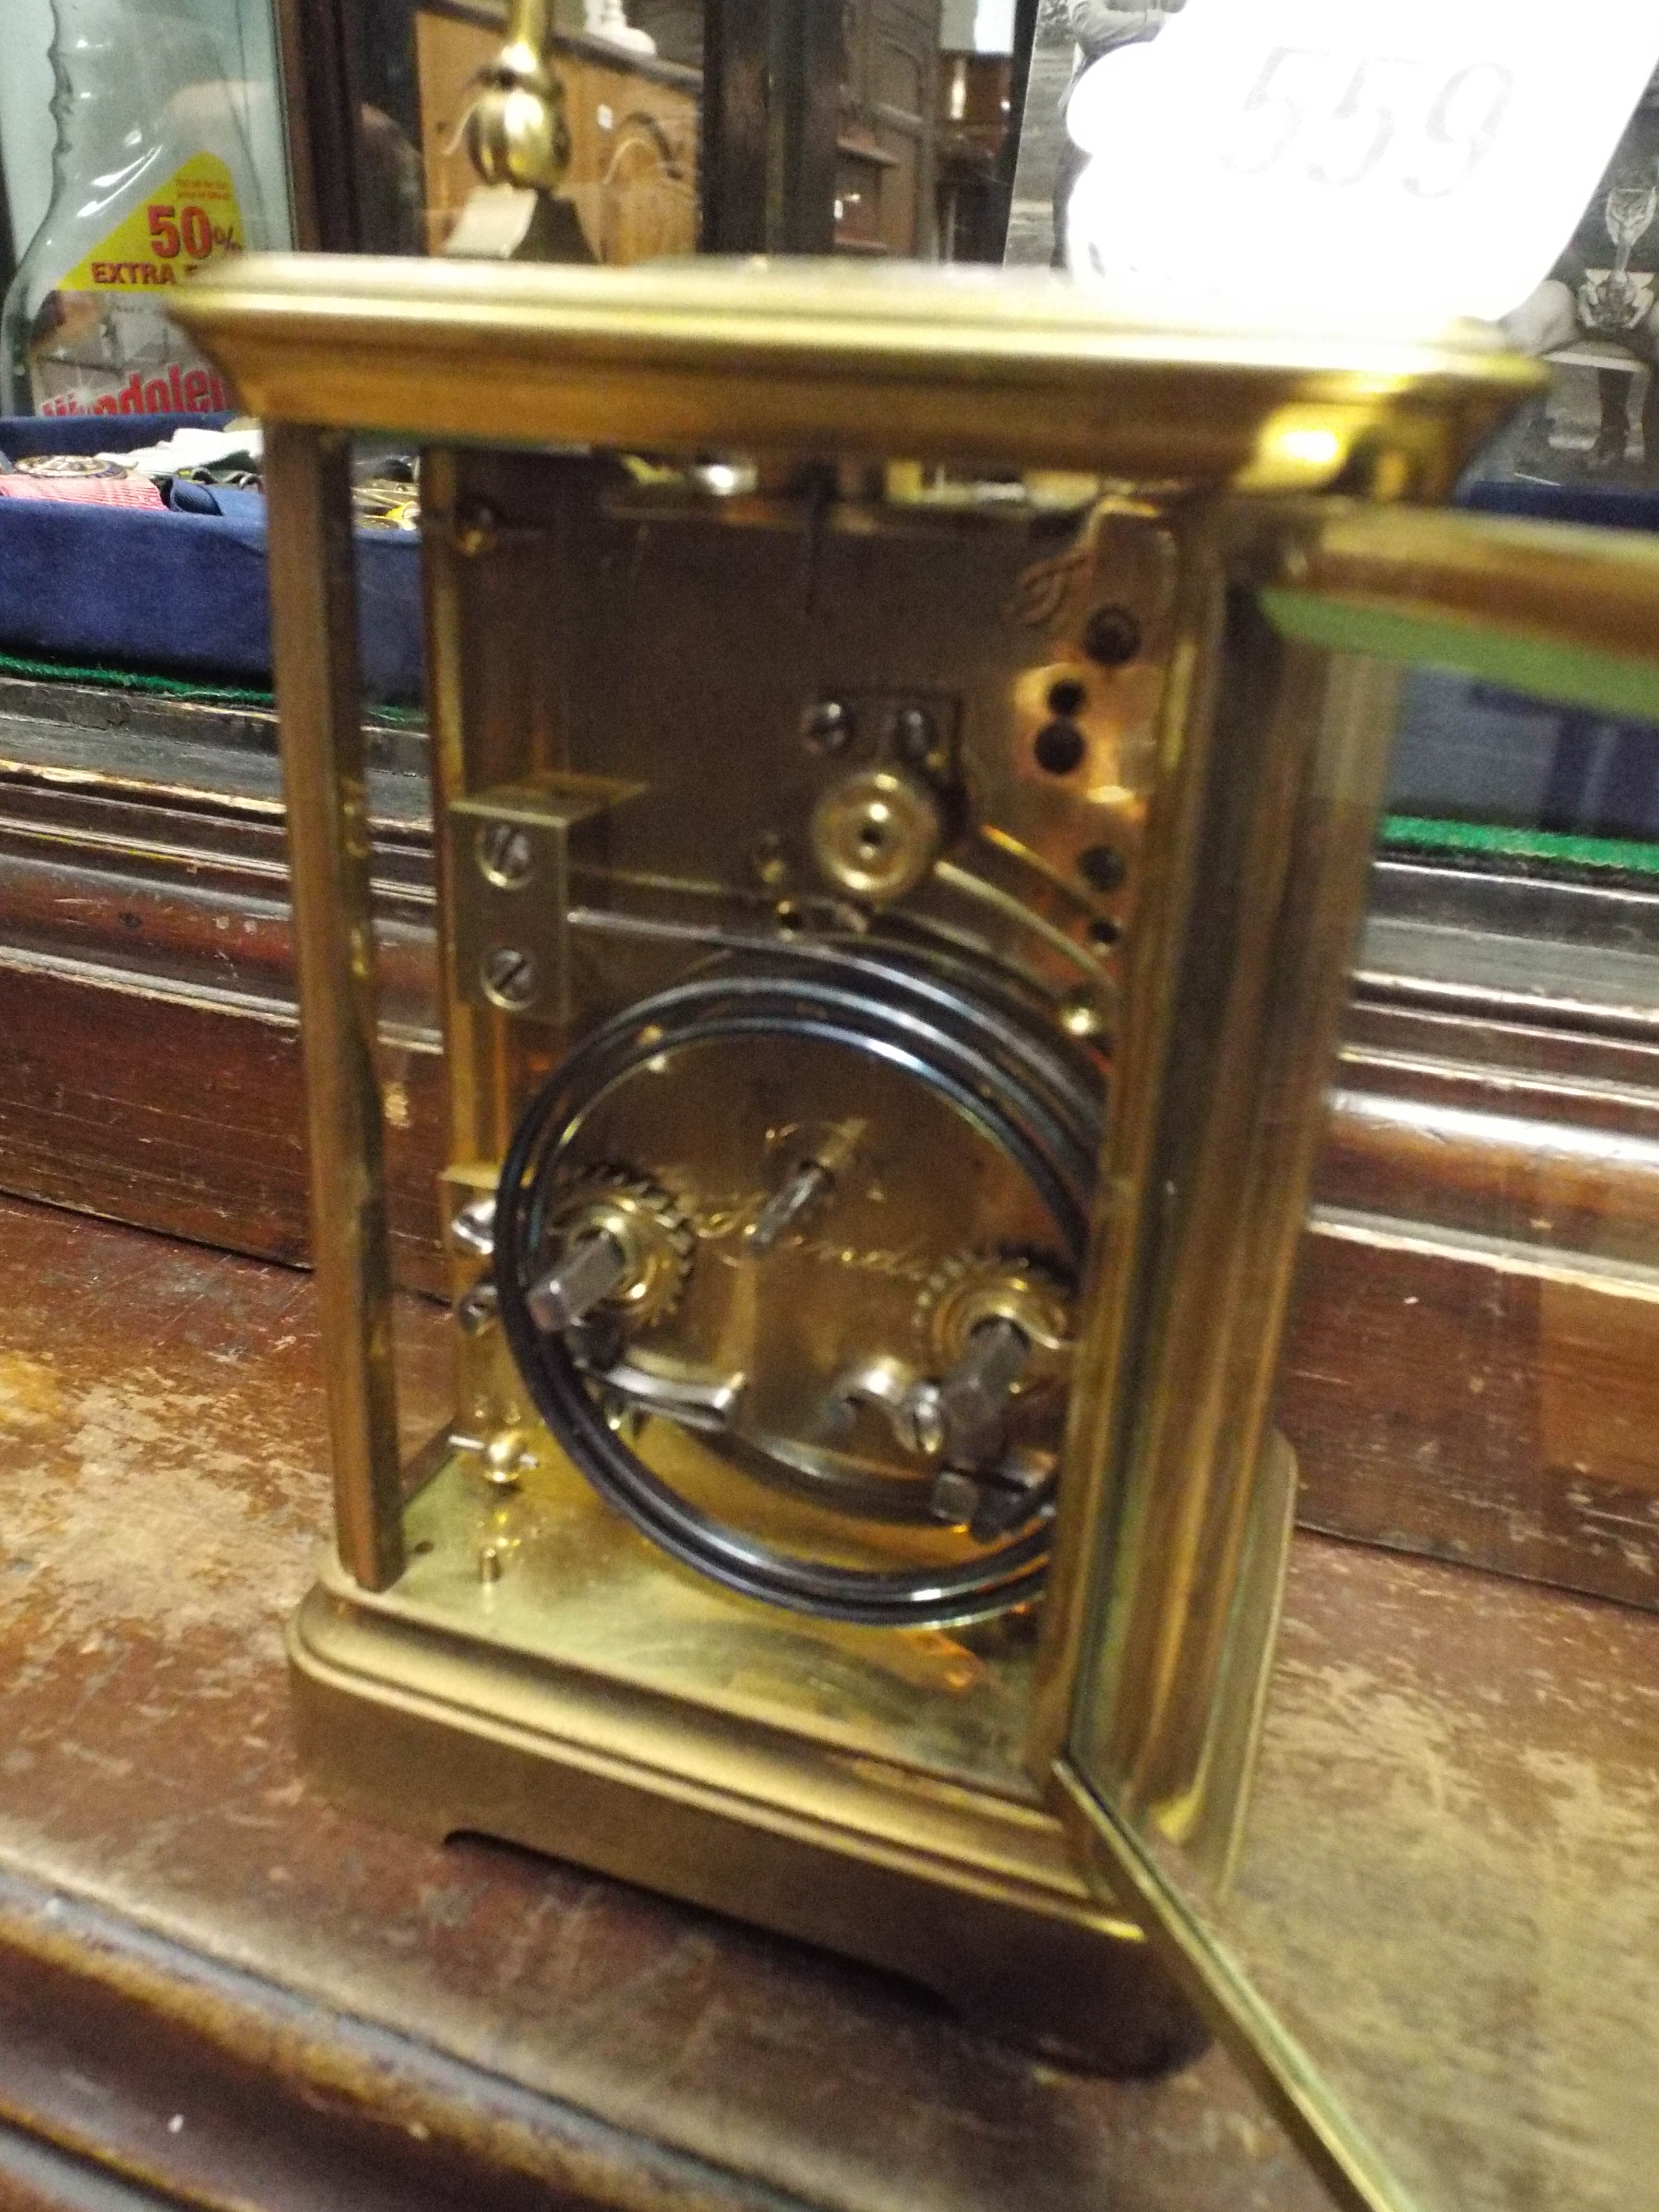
<point x="95" y="433"/>
<point x="184" y="593"/>
<point x="1609" y="507"/>
<point x="186" y="498"/>
<point x="1476" y="751"/>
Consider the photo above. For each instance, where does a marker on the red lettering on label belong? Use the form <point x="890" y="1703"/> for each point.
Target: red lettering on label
<point x="158" y="396"/>
<point x="177" y="390"/>
<point x="198" y="398"/>
<point x="105" y="404"/>
<point x="198" y="233"/>
<point x="163" y="231"/>
<point x="132" y="399"/>
<point x="220" y="406"/>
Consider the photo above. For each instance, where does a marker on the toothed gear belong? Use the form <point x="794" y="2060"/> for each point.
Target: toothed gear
<point x="650" y="1223"/>
<point x="1027" y="1288"/>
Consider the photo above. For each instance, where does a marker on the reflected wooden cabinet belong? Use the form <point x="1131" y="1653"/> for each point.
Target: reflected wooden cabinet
<point x="885" y="149"/>
<point x="633" y="119"/>
<point x="975" y="110"/>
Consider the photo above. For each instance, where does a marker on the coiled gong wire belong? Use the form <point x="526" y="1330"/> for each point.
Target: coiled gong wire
<point x="974" y="1044"/>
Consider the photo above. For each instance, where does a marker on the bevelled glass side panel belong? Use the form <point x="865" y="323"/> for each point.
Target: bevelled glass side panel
<point x="1439" y="1920"/>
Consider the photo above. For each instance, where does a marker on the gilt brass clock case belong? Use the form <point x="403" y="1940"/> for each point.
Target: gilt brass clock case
<point x="905" y="753"/>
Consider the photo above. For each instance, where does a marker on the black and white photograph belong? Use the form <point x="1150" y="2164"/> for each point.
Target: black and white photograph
<point x="1595" y="317"/>
<point x="1072" y="36"/>
<point x="1595" y="320"/>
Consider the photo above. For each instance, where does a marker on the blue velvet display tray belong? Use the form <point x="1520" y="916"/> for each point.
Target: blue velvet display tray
<point x="1472" y="752"/>
<point x="186" y="595"/>
<point x="182" y="594"/>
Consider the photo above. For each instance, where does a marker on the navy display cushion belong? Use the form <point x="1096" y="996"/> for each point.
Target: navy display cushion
<point x="1608" y="506"/>
<point x="186" y="593"/>
<point x="1471" y="752"/>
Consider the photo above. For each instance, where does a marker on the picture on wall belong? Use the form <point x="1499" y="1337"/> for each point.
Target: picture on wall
<point x="1595" y="320"/>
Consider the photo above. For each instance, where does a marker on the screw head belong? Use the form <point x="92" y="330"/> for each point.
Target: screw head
<point x="504" y="1457"/>
<point x="1082" y="1014"/>
<point x="827" y="726"/>
<point x="956" y="1498"/>
<point x="1111" y="636"/>
<point x="472" y="1230"/>
<point x="508" y="976"/>
<point x="914" y="737"/>
<point x="770" y="862"/>
<point x="476" y="531"/>
<point x="505" y="854"/>
<point x="477" y="1310"/>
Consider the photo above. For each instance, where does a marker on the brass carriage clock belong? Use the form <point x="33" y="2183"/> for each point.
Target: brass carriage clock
<point x="905" y="751"/>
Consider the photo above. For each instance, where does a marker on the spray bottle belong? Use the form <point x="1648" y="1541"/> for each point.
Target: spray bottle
<point x="151" y="180"/>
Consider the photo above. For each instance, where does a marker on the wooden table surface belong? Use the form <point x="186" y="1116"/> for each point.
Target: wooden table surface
<point x="220" y="1989"/>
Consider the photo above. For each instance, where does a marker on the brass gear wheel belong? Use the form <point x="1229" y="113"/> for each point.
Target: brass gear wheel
<point x="1028" y="1289"/>
<point x="652" y="1227"/>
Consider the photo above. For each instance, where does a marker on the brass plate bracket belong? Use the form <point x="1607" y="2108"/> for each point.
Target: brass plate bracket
<point x="513" y="852"/>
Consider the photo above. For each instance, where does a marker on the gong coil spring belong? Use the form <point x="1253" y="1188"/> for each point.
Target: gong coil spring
<point x="976" y="1042"/>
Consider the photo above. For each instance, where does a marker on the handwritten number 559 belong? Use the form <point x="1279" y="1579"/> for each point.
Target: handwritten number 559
<point x="1379" y="107"/>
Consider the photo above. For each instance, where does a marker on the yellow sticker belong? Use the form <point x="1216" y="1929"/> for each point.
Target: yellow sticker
<point x="174" y="230"/>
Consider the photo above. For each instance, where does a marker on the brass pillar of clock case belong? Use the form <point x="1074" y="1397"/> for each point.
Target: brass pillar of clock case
<point x="895" y="900"/>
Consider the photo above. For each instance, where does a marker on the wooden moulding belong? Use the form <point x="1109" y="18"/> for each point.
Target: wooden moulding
<point x="147" y="989"/>
<point x="1467" y="1371"/>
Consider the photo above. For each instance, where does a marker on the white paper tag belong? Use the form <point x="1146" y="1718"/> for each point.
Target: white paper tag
<point x="1378" y="162"/>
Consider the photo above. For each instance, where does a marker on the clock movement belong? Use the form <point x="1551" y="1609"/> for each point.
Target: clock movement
<point x="905" y="749"/>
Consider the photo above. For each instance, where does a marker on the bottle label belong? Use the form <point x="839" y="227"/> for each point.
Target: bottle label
<point x="115" y="352"/>
<point x="190" y="221"/>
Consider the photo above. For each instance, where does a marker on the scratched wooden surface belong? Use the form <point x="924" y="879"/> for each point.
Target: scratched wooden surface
<point x="1451" y="1882"/>
<point x="232" y="1992"/>
<point x="238" y="1995"/>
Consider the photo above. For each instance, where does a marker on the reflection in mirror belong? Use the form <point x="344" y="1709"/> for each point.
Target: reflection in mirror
<point x="882" y="128"/>
<point x="631" y="84"/>
<point x="164" y="155"/>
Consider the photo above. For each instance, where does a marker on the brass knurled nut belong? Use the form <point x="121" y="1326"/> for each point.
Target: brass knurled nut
<point x="878" y="832"/>
<point x="1023" y="1288"/>
<point x="650" y="1227"/>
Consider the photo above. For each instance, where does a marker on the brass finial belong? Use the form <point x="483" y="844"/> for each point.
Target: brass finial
<point x="516" y="132"/>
